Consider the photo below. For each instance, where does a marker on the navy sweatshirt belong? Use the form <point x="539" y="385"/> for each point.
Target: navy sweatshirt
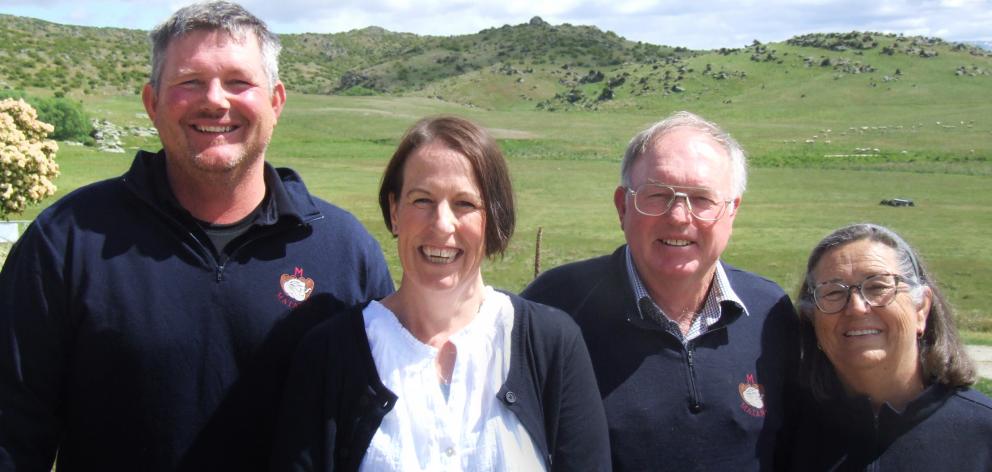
<point x="126" y="344"/>
<point x="942" y="429"/>
<point x="719" y="403"/>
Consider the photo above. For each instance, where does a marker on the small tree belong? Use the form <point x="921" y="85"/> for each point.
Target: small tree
<point x="27" y="158"/>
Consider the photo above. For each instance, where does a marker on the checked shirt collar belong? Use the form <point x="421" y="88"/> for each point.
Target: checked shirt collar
<point x="720" y="291"/>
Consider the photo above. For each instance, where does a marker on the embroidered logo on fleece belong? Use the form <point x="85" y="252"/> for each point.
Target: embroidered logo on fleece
<point x="295" y="288"/>
<point x="752" y="396"/>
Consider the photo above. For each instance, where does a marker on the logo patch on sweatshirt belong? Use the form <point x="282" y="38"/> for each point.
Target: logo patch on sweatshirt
<point x="295" y="288"/>
<point x="752" y="396"/>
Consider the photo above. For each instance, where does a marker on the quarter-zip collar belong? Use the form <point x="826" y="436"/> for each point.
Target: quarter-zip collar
<point x="618" y="283"/>
<point x="855" y="415"/>
<point x="285" y="196"/>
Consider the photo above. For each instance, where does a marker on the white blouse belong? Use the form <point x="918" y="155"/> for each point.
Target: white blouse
<point x="471" y="430"/>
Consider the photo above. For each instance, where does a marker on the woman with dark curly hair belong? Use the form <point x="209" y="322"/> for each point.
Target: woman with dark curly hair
<point x="887" y="375"/>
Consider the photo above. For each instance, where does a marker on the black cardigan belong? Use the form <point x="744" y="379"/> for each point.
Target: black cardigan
<point x="335" y="400"/>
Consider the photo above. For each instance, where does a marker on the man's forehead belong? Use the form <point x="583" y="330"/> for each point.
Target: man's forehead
<point x="691" y="148"/>
<point x="184" y="50"/>
<point x="215" y="36"/>
<point x="680" y="188"/>
<point x="681" y="137"/>
<point x="689" y="156"/>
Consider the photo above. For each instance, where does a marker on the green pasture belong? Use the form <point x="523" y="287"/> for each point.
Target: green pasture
<point x="982" y="338"/>
<point x="984" y="386"/>
<point x="565" y="168"/>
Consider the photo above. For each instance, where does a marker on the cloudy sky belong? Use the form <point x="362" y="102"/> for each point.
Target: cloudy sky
<point x="702" y="24"/>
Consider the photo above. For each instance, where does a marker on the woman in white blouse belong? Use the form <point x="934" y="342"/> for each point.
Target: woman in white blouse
<point x="446" y="373"/>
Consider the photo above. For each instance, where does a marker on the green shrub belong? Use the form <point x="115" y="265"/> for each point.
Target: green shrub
<point x="68" y="117"/>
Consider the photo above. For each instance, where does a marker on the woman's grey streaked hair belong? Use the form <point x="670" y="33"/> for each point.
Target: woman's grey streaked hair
<point x="942" y="355"/>
<point x="640" y="143"/>
<point x="227" y="16"/>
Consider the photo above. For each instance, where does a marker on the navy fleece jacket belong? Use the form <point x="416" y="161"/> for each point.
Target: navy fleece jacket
<point x="125" y="344"/>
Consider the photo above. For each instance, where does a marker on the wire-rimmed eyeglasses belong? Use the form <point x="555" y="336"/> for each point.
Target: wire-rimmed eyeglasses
<point x="653" y="199"/>
<point x="878" y="290"/>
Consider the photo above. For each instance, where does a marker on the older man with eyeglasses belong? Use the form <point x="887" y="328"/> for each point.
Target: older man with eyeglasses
<point x="696" y="360"/>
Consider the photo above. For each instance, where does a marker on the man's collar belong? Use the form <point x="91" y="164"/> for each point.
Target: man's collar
<point x="720" y="288"/>
<point x="148" y="178"/>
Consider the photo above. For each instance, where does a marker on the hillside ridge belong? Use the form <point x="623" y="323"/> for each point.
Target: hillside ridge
<point x="533" y="65"/>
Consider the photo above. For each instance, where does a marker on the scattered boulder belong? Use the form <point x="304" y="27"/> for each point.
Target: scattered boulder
<point x="573" y="96"/>
<point x="507" y="69"/>
<point x="108" y="135"/>
<point x="606" y="94"/>
<point x="592" y="77"/>
<point x="537" y="21"/>
<point x="617" y="81"/>
<point x="897" y="202"/>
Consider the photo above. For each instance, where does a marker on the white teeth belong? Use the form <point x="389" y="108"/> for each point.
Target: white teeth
<point x="440" y="255"/>
<point x="214" y="129"/>
<point x="676" y="242"/>
<point x="862" y="332"/>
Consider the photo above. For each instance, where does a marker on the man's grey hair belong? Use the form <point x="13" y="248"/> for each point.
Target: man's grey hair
<point x="641" y="143"/>
<point x="210" y="16"/>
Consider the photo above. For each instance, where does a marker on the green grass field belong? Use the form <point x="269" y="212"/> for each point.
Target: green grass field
<point x="565" y="168"/>
<point x="983" y="338"/>
<point x="984" y="386"/>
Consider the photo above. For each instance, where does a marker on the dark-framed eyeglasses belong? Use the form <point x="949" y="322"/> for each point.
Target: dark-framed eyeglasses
<point x="878" y="290"/>
<point x="652" y="199"/>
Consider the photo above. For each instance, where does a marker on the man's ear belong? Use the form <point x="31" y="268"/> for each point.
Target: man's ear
<point x="149" y="99"/>
<point x="278" y="98"/>
<point x="733" y="207"/>
<point x="620" y="201"/>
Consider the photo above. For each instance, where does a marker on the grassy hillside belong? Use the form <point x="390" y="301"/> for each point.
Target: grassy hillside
<point x="536" y="65"/>
<point x="846" y="100"/>
<point x="80" y="60"/>
<point x="71" y="60"/>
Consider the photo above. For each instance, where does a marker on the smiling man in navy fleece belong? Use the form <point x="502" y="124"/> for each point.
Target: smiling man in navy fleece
<point x="694" y="358"/>
<point x="143" y="319"/>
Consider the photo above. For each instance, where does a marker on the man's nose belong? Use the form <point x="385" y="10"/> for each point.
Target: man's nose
<point x="216" y="95"/>
<point x="679" y="210"/>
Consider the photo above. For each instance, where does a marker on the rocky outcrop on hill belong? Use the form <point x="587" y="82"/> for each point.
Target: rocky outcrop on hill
<point x="108" y="135"/>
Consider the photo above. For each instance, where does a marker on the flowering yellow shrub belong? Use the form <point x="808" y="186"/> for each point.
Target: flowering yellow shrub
<point x="27" y="157"/>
